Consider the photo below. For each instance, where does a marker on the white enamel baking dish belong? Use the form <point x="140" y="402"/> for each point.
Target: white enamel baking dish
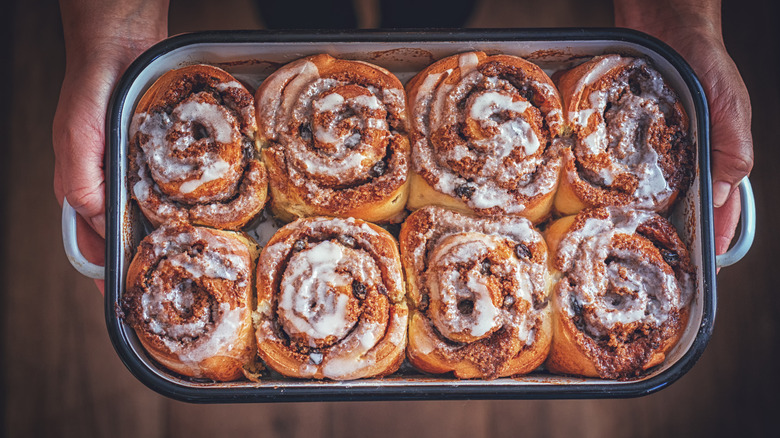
<point x="252" y="55"/>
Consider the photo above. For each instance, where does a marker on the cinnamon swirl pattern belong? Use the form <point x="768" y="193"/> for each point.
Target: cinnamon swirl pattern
<point x="188" y="298"/>
<point x="621" y="302"/>
<point x="482" y="136"/>
<point x="333" y="134"/>
<point x="631" y="137"/>
<point x="330" y="300"/>
<point x="478" y="289"/>
<point x="192" y="154"/>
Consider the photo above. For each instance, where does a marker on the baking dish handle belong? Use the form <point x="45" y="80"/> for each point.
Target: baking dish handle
<point x="71" y="243"/>
<point x="748" y="232"/>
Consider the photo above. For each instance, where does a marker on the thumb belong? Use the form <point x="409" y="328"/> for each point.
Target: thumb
<point x="732" y="160"/>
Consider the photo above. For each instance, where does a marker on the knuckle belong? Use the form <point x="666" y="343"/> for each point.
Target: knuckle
<point x="740" y="165"/>
<point x="734" y="164"/>
<point x="86" y="200"/>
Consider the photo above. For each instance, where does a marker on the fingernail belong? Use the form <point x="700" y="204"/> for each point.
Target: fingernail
<point x="720" y="193"/>
<point x="99" y="225"/>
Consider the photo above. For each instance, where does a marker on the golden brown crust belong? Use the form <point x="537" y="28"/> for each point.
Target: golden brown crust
<point x="478" y="290"/>
<point x="189" y="297"/>
<point x="482" y="136"/>
<point x="192" y="153"/>
<point x="621" y="298"/>
<point x="632" y="145"/>
<point x="333" y="135"/>
<point x="331" y="300"/>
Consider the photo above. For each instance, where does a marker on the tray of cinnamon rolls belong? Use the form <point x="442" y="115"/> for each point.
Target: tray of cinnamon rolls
<point x="362" y="216"/>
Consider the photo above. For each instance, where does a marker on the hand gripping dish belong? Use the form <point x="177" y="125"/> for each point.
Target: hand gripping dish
<point x="330" y="300"/>
<point x="189" y="296"/>
<point x="333" y="136"/>
<point x="632" y="145"/>
<point x="623" y="287"/>
<point x="192" y="151"/>
<point x="482" y="136"/>
<point x="478" y="289"/>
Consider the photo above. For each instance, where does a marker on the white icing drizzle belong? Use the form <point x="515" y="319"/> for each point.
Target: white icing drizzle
<point x="354" y="353"/>
<point x="219" y="340"/>
<point x="165" y="160"/>
<point x="224" y="86"/>
<point x="317" y="305"/>
<point x="603" y="66"/>
<point x="487" y="104"/>
<point x="485" y="314"/>
<point x="650" y="293"/>
<point x="449" y="258"/>
<point x="467" y="62"/>
<point x="330" y="102"/>
<point x="212" y="171"/>
<point x="619" y="135"/>
<point x="214" y="117"/>
<point x="209" y="331"/>
<point x="498" y="119"/>
<point x="330" y="132"/>
<point x="217" y="259"/>
<point x="310" y="302"/>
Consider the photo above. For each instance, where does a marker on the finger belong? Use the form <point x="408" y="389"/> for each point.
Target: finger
<point x="732" y="141"/>
<point x="92" y="246"/>
<point x="79" y="147"/>
<point x="59" y="193"/>
<point x="730" y="166"/>
<point x="726" y="220"/>
<point x="101" y="285"/>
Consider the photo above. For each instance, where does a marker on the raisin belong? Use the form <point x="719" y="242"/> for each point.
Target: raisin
<point x="607" y="107"/>
<point x="305" y="132"/>
<point x="299" y="245"/>
<point x="633" y="85"/>
<point x="359" y="290"/>
<point x="509" y="300"/>
<point x="576" y="307"/>
<point x="199" y="132"/>
<point x="424" y="301"/>
<point x="522" y="251"/>
<point x="352" y="141"/>
<point x="378" y="169"/>
<point x="465" y="191"/>
<point x="541" y="304"/>
<point x="195" y="249"/>
<point x="465" y="307"/>
<point x="484" y="267"/>
<point x="671" y="258"/>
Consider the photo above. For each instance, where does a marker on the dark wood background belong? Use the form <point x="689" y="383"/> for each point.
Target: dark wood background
<point x="61" y="377"/>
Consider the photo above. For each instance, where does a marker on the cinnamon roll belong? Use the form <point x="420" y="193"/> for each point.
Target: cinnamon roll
<point x="333" y="136"/>
<point x="478" y="291"/>
<point x="330" y="300"/>
<point x="632" y="145"/>
<point x="482" y="136"/>
<point x="622" y="298"/>
<point x="189" y="297"/>
<point x="192" y="154"/>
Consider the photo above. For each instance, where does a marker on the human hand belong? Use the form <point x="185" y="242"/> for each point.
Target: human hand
<point x="96" y="58"/>
<point x="692" y="28"/>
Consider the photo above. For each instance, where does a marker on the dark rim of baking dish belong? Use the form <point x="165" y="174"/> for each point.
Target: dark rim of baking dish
<point x="451" y="390"/>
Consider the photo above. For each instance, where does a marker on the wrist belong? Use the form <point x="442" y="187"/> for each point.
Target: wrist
<point x="671" y="20"/>
<point x="96" y="29"/>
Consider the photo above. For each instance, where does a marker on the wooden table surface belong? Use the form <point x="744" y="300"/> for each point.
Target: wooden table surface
<point x="61" y="376"/>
